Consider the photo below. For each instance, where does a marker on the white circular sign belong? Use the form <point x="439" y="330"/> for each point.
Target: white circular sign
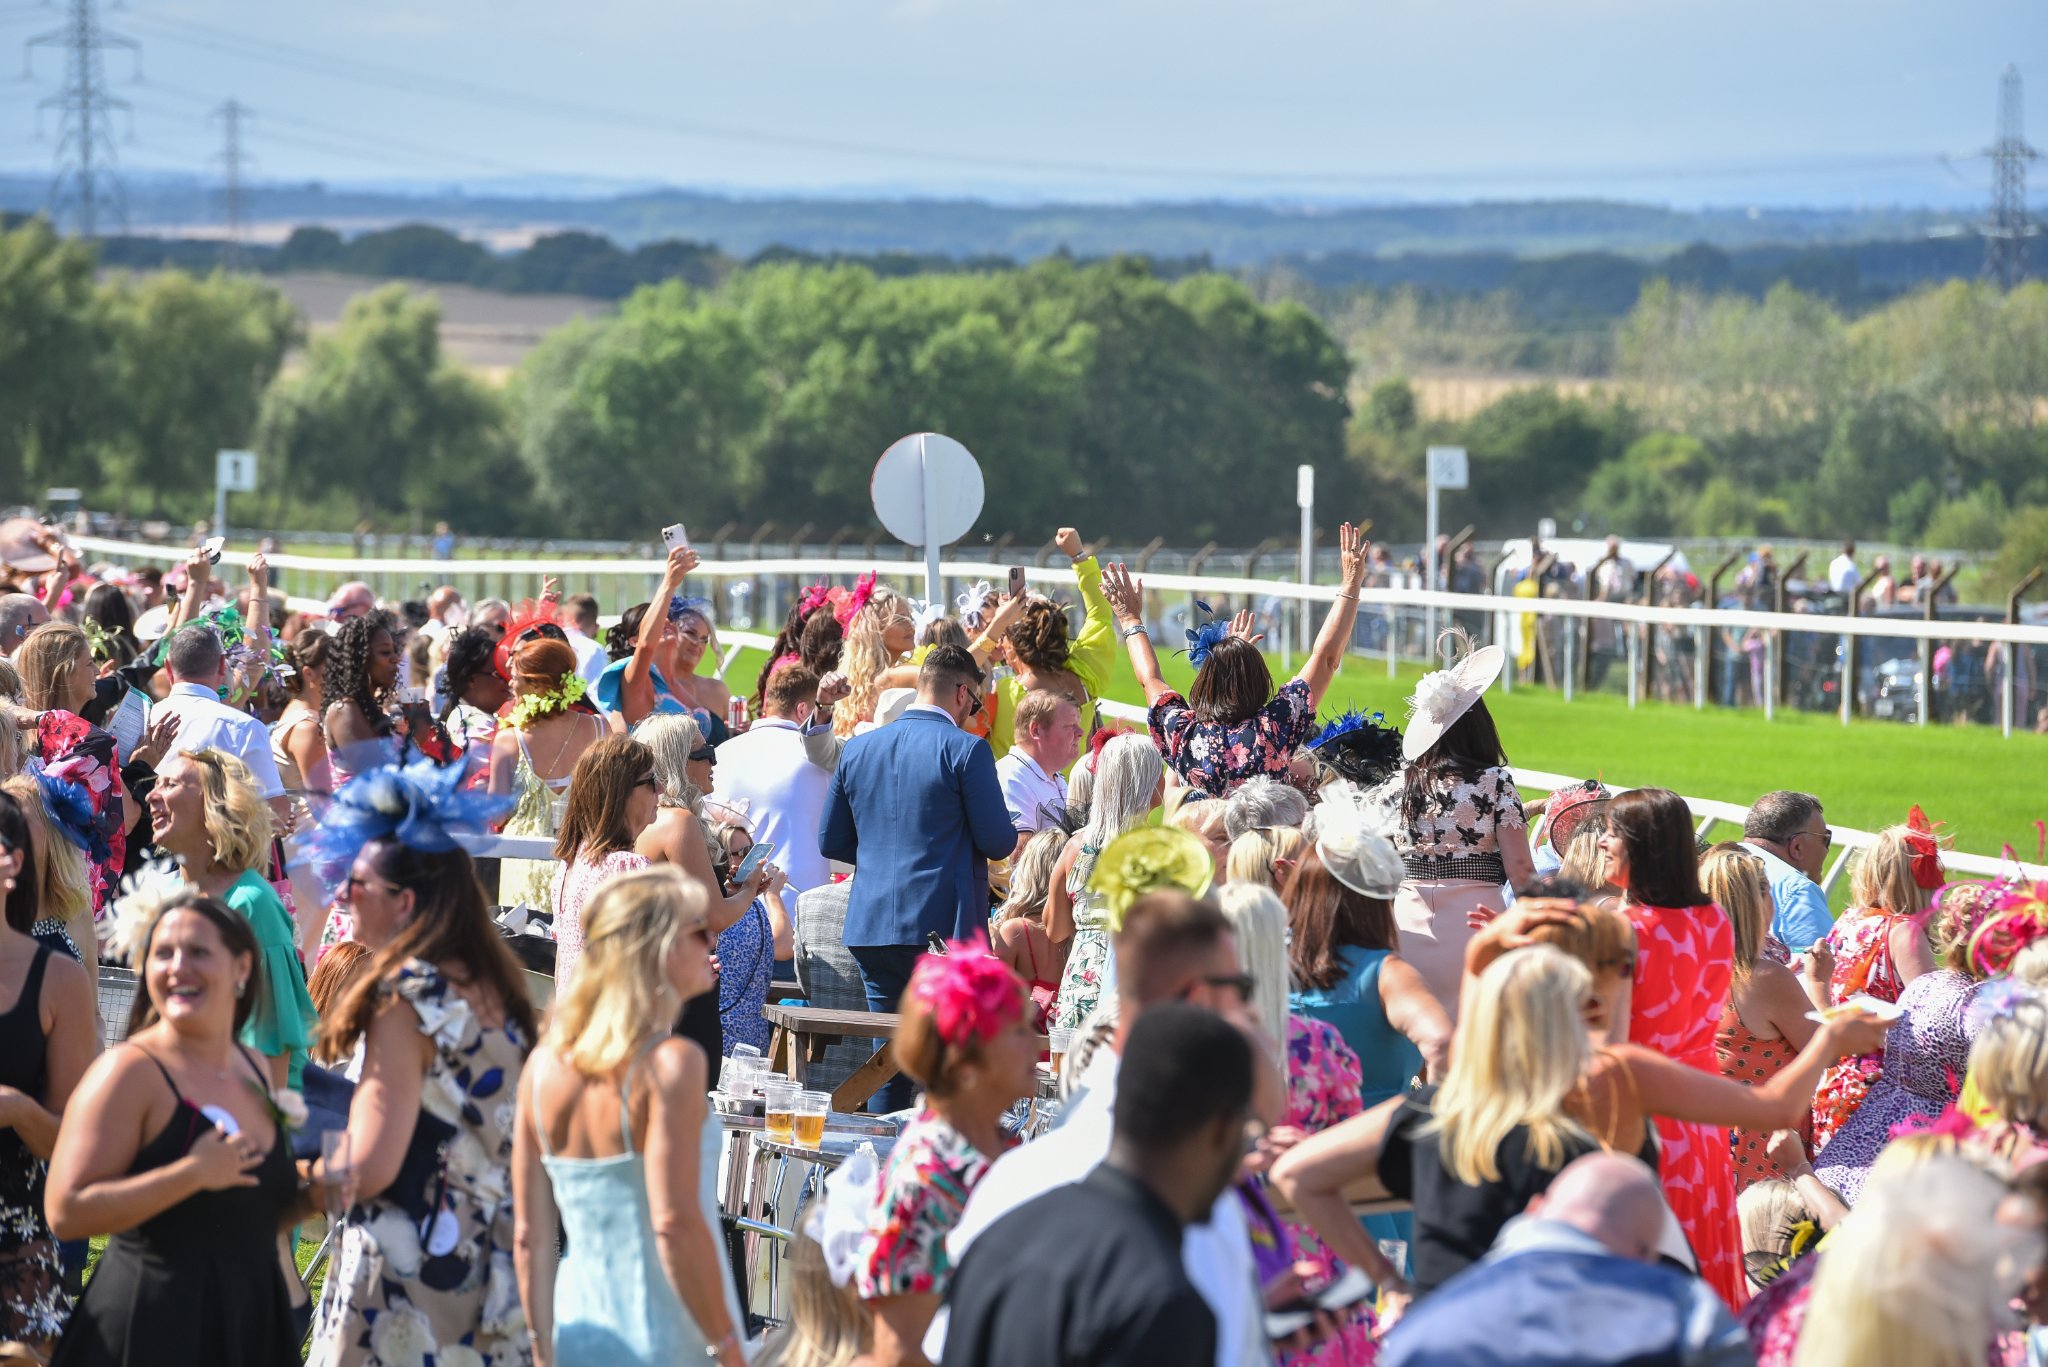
<point x="927" y="490"/>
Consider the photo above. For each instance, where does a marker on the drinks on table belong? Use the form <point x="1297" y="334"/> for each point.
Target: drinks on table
<point x="810" y="1118"/>
<point x="778" y="1108"/>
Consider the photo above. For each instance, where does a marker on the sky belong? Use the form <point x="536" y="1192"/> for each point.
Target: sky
<point x="1737" y="102"/>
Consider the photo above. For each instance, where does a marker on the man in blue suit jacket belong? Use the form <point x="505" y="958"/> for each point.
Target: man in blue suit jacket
<point x="917" y="808"/>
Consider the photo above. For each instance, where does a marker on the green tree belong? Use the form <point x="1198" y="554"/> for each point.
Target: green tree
<point x="1390" y="407"/>
<point x="189" y="361"/>
<point x="1976" y="522"/>
<point x="1649" y="490"/>
<point x="51" y="343"/>
<point x="378" y="415"/>
<point x="2025" y="548"/>
<point x="1879" y="447"/>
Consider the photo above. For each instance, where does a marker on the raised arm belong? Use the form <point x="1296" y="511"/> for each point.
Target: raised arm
<point x="198" y="576"/>
<point x="636" y="686"/>
<point x="1323" y="661"/>
<point x="1093" y="652"/>
<point x="1126" y="597"/>
<point x="1680" y="1092"/>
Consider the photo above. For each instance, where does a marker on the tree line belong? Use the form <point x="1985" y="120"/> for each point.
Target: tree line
<point x="1163" y="406"/>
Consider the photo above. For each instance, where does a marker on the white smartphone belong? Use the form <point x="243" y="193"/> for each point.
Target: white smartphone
<point x="675" y="538"/>
<point x="756" y="857"/>
<point x="213" y="546"/>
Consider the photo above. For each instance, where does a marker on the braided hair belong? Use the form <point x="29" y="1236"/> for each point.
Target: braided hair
<point x="348" y="670"/>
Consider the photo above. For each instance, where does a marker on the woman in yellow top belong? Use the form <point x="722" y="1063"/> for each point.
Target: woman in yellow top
<point x="1040" y="655"/>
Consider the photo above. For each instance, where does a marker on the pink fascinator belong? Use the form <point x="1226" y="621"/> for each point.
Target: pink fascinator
<point x="816" y="596"/>
<point x="968" y="992"/>
<point x="863" y="589"/>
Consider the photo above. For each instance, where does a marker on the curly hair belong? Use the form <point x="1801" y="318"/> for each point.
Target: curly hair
<point x="471" y="651"/>
<point x="822" y="643"/>
<point x="348" y="673"/>
<point x="1039" y="639"/>
<point x="622" y="640"/>
<point x="865" y="658"/>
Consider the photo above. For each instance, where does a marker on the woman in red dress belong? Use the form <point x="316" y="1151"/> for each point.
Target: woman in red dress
<point x="1685" y="957"/>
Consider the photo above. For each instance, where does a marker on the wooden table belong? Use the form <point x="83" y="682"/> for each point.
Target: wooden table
<point x="802" y="1032"/>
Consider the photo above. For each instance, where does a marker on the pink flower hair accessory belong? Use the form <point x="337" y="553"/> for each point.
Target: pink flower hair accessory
<point x="816" y="596"/>
<point x="863" y="589"/>
<point x="969" y="993"/>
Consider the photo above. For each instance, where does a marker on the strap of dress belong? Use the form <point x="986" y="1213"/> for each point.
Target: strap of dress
<point x="32" y="985"/>
<point x="168" y="1082"/>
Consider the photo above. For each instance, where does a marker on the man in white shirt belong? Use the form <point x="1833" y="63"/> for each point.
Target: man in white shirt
<point x="445" y="613"/>
<point x="1048" y="739"/>
<point x="784" y="792"/>
<point x="1843" y="576"/>
<point x="1172" y="948"/>
<point x="579" y="619"/>
<point x="198" y="668"/>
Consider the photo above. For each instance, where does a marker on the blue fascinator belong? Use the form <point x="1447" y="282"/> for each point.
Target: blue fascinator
<point x="681" y="606"/>
<point x="422" y="805"/>
<point x="1203" y="639"/>
<point x="69" y="807"/>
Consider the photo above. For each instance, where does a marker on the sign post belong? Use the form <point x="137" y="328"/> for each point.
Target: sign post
<point x="927" y="491"/>
<point x="1448" y="469"/>
<point x="234" y="472"/>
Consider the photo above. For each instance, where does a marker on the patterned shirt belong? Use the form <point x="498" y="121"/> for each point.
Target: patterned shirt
<point x="931" y="1170"/>
<point x="1463" y="819"/>
<point x="1215" y="757"/>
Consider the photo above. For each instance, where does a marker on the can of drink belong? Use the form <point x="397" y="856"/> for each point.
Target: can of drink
<point x="736" y="714"/>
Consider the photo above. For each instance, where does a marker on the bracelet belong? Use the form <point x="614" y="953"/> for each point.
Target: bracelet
<point x="1077" y="559"/>
<point x="1352" y="596"/>
<point x="1134" y="629"/>
<point x="713" y="1350"/>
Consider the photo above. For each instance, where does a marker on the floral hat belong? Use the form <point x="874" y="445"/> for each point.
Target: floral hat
<point x="1150" y="859"/>
<point x="1446" y="695"/>
<point x="1570" y="808"/>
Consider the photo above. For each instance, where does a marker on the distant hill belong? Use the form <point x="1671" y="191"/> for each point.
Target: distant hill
<point x="1227" y="234"/>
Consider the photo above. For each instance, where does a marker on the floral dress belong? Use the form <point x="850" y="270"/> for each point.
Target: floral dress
<point x="1323" y="1079"/>
<point x="442" y="1293"/>
<point x="746" y="965"/>
<point x="1215" y="758"/>
<point x="1862" y="945"/>
<point x="1087" y="953"/>
<point x="73" y="749"/>
<point x="918" y="1199"/>
<point x="1685" y="956"/>
<point x="1925" y="1054"/>
<point x="575" y="885"/>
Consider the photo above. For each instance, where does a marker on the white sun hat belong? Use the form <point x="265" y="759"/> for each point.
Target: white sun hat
<point x="1355" y="838"/>
<point x="1443" y="697"/>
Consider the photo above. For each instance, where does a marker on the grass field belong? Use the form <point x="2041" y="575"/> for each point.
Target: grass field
<point x="1988" y="790"/>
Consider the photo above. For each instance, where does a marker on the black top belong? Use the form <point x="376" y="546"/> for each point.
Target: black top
<point x="24" y="1066"/>
<point x="201" y="1276"/>
<point x="1088" y="1275"/>
<point x="1456" y="1224"/>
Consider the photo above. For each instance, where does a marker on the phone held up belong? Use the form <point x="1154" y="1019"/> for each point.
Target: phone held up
<point x="1016" y="580"/>
<point x="674" y="537"/>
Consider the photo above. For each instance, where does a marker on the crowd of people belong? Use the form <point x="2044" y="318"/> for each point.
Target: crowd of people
<point x="1255" y="1035"/>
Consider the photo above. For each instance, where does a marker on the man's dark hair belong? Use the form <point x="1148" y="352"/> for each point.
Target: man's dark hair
<point x="1554" y="885"/>
<point x="789" y="688"/>
<point x="413" y="612"/>
<point x="1779" y="816"/>
<point x="948" y="667"/>
<point x="581" y="609"/>
<point x="1182" y="1068"/>
<point x="194" y="653"/>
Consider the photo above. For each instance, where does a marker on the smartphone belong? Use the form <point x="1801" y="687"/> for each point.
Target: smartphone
<point x="213" y="545"/>
<point x="1016" y="580"/>
<point x="756" y="857"/>
<point x="674" y="537"/>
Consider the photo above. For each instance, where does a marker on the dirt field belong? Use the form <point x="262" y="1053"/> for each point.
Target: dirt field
<point x="490" y="333"/>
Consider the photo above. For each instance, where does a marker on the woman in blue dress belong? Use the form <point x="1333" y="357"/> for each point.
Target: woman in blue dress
<point x="655" y="650"/>
<point x="615" y="1141"/>
<point x="749" y="947"/>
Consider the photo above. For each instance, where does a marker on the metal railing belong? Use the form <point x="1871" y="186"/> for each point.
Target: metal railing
<point x="1557" y="632"/>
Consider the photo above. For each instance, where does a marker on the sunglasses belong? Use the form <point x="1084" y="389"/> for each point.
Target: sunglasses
<point x="646" y="781"/>
<point x="973" y="703"/>
<point x="388" y="889"/>
<point x="1244" y="983"/>
<point x="704" y="755"/>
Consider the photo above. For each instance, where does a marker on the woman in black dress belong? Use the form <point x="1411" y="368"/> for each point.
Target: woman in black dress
<point x="47" y="1037"/>
<point x="173" y="1146"/>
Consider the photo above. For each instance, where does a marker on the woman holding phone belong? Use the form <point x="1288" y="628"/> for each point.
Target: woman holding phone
<point x="1039" y="653"/>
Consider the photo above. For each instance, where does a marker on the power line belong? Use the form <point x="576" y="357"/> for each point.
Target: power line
<point x="2006" y="231"/>
<point x="86" y="175"/>
<point x="232" y="160"/>
<point x="443" y="87"/>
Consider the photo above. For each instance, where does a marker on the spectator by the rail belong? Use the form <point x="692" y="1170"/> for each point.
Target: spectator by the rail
<point x="446" y="613"/>
<point x="444" y="541"/>
<point x="1843" y="576"/>
<point x="766" y="773"/>
<point x="1046" y="740"/>
<point x="1791" y="835"/>
<point x="1592" y="1237"/>
<point x="1880" y="590"/>
<point x="351" y="600"/>
<point x="917" y="808"/>
<point x="579" y="619"/>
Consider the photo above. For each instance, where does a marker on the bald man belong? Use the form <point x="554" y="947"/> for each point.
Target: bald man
<point x="20" y="614"/>
<point x="1575" y="1280"/>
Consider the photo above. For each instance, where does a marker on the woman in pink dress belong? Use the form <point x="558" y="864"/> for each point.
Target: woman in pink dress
<point x="1685" y="958"/>
<point x="613" y="796"/>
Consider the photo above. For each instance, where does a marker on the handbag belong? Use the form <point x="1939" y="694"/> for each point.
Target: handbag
<point x="328" y="1096"/>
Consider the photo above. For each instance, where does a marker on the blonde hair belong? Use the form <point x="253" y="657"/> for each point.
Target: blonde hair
<point x="1031" y="875"/>
<point x="1203" y="820"/>
<point x="45" y="662"/>
<point x="672" y="736"/>
<point x="827" y="1325"/>
<point x="1254" y="855"/>
<point x="238" y="821"/>
<point x="1918" y="1273"/>
<point x="620" y="994"/>
<point x="64" y="894"/>
<point x="1768" y="1210"/>
<point x="2009" y="1062"/>
<point x="1258" y="922"/>
<point x="2030" y="965"/>
<point x="1734" y="878"/>
<point x="1522" y="1049"/>
<point x="864" y="657"/>
<point x="10" y="681"/>
<point x="1882" y="878"/>
<point x="1581" y="860"/>
<point x="13" y="748"/>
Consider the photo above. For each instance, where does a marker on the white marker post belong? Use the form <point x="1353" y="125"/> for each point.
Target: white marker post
<point x="234" y="472"/>
<point x="1305" y="499"/>
<point x="1448" y="469"/>
<point x="927" y="491"/>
